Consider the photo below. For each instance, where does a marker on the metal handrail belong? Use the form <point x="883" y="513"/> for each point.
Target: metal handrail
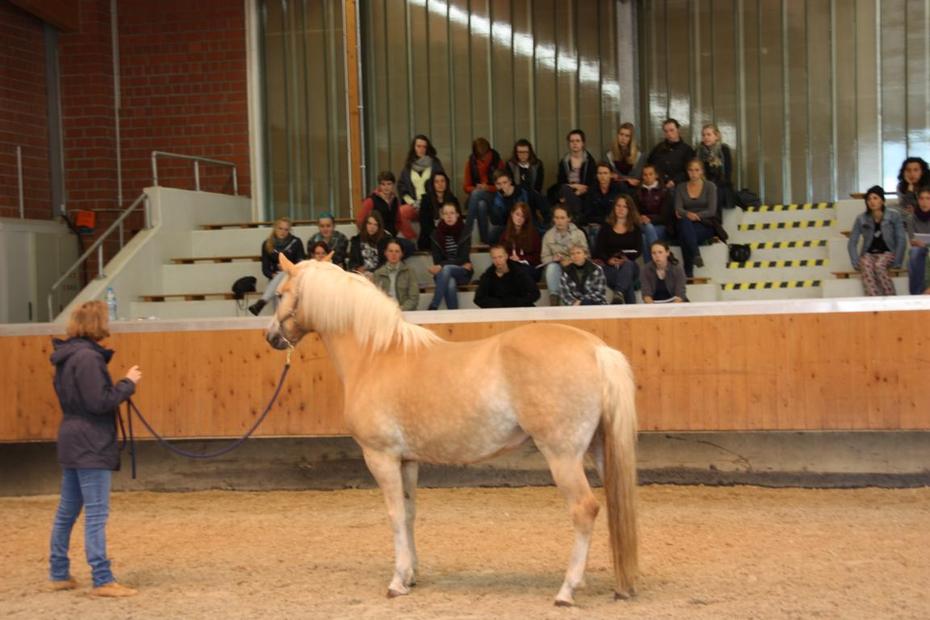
<point x="98" y="246"/>
<point x="197" y="160"/>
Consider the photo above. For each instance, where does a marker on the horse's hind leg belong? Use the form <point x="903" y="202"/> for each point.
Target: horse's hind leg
<point x="387" y="472"/>
<point x="569" y="476"/>
<point x="409" y="470"/>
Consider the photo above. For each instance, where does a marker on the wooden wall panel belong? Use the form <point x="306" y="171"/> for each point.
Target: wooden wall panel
<point x="768" y="372"/>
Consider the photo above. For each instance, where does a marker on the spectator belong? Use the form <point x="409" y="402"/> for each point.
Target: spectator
<point x="599" y="201"/>
<point x="397" y="279"/>
<point x="505" y="284"/>
<point x="479" y="185"/>
<point x="521" y="239"/>
<point x="663" y="279"/>
<point x="396" y="217"/>
<point x="88" y="451"/>
<point x="525" y="168"/>
<point x="671" y="156"/>
<point x="577" y="174"/>
<point x="366" y="250"/>
<point x="883" y="243"/>
<point x="451" y="263"/>
<point x="583" y="282"/>
<point x="509" y="194"/>
<point x="914" y="174"/>
<point x="335" y="241"/>
<point x="655" y="205"/>
<point x="695" y="208"/>
<point x="317" y="251"/>
<point x="917" y="261"/>
<point x="438" y="194"/>
<point x="618" y="245"/>
<point x="280" y="241"/>
<point x="556" y="249"/>
<point x="625" y="159"/>
<point x="419" y="171"/>
<point x="718" y="164"/>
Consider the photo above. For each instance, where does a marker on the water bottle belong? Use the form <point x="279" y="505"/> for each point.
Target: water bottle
<point x="111" y="303"/>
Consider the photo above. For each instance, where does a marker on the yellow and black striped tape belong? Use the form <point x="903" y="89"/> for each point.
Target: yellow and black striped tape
<point x="785" y="225"/>
<point x="784" y="245"/>
<point x="761" y="286"/>
<point x="807" y="206"/>
<point x="776" y="264"/>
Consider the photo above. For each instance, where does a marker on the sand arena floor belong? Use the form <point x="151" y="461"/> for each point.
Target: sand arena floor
<point x="739" y="552"/>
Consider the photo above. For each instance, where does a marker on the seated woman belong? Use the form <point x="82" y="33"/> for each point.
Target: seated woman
<point x="625" y="158"/>
<point x="521" y="239"/>
<point x="654" y="207"/>
<point x="451" y="263"/>
<point x="366" y="250"/>
<point x="556" y="248"/>
<point x="576" y="174"/>
<point x="280" y="241"/>
<point x="317" y="251"/>
<point x="504" y="284"/>
<point x="583" y="282"/>
<point x="618" y="245"/>
<point x="479" y="185"/>
<point x="420" y="169"/>
<point x="917" y="261"/>
<point x="396" y="279"/>
<point x="663" y="279"/>
<point x="695" y="208"/>
<point x="437" y="194"/>
<point x="718" y="164"/>
<point x="526" y="169"/>
<point x="335" y="241"/>
<point x="914" y="174"/>
<point x="599" y="201"/>
<point x="883" y="243"/>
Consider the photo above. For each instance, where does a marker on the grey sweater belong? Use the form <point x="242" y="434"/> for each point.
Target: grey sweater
<point x="705" y="205"/>
<point x="674" y="280"/>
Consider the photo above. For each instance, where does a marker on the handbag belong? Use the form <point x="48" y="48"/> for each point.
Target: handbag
<point x="740" y="252"/>
<point x="243" y="285"/>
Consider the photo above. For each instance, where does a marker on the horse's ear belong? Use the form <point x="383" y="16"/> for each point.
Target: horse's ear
<point x="329" y="257"/>
<point x="286" y="265"/>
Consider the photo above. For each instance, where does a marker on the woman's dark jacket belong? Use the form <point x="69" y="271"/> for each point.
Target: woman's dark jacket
<point x="89" y="401"/>
<point x="293" y="249"/>
<point x="356" y="259"/>
<point x="514" y="289"/>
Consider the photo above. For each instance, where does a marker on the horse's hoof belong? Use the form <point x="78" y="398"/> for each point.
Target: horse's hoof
<point x="624" y="596"/>
<point x="392" y="593"/>
<point x="561" y="603"/>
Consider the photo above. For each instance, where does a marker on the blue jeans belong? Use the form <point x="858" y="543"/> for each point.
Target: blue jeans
<point x="621" y="279"/>
<point x="90" y="489"/>
<point x="272" y="288"/>
<point x="449" y="278"/>
<point x="691" y="235"/>
<point x="479" y="205"/>
<point x="553" y="277"/>
<point x="916" y="270"/>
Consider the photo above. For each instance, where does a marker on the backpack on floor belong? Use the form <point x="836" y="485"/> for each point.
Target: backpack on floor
<point x="740" y="252"/>
<point x="243" y="285"/>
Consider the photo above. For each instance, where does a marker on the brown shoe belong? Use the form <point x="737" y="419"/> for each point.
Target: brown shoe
<point x="56" y="585"/>
<point x="114" y="590"/>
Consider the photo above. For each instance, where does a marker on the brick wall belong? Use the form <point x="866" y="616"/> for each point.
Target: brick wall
<point x="23" y="114"/>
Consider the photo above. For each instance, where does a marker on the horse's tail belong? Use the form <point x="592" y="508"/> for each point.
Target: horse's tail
<point x="618" y="427"/>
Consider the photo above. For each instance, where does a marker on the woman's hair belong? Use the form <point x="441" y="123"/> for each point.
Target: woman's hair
<point x="924" y="173"/>
<point x="326" y="215"/>
<point x="630" y="153"/>
<point x="363" y="233"/>
<point x="394" y="241"/>
<point x="562" y="207"/>
<point x="632" y="213"/>
<point x="524" y="142"/>
<point x="480" y="146"/>
<point x="672" y="259"/>
<point x="696" y="160"/>
<point x="520" y="238"/>
<point x="578" y="246"/>
<point x="315" y="245"/>
<point x="457" y="208"/>
<point x="89" y="320"/>
<point x="412" y="153"/>
<point x="269" y="242"/>
<point x="715" y="128"/>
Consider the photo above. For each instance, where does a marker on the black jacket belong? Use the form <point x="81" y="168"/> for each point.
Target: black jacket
<point x="514" y="289"/>
<point x="462" y="249"/>
<point x="356" y="259"/>
<point x="671" y="160"/>
<point x="293" y="249"/>
<point x="89" y="401"/>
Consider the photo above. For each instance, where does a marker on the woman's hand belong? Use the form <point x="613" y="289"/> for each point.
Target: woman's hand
<point x="434" y="269"/>
<point x="632" y="182"/>
<point x="468" y="266"/>
<point x="644" y="219"/>
<point x="616" y="261"/>
<point x="917" y="243"/>
<point x="677" y="300"/>
<point x="134" y="374"/>
<point x="694" y="217"/>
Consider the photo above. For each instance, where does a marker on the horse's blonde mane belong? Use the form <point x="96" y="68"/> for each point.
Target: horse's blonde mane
<point x="336" y="301"/>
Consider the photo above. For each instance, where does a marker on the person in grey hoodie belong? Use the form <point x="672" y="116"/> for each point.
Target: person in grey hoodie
<point x="87" y="447"/>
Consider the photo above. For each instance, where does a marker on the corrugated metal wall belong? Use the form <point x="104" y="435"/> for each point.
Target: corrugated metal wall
<point x="820" y="98"/>
<point x="503" y="69"/>
<point x="306" y="131"/>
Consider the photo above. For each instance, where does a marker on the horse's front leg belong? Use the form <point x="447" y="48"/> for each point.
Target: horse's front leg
<point x="387" y="472"/>
<point x="409" y="470"/>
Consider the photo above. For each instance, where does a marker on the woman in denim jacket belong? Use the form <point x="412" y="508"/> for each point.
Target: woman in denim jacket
<point x="883" y="243"/>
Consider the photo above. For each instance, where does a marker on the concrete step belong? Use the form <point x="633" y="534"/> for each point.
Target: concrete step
<point x="778" y="274"/>
<point x="241" y="241"/>
<point x="188" y="309"/>
<point x="852" y="287"/>
<point x="795" y="230"/>
<point x="208" y="277"/>
<point x="787" y="289"/>
<point x="789" y="213"/>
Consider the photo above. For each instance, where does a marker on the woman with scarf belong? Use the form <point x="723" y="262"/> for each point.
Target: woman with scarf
<point x="420" y="169"/>
<point x="624" y="158"/>
<point x="583" y="283"/>
<point x="451" y="262"/>
<point x="280" y="241"/>
<point x="439" y="193"/>
<point x="718" y="164"/>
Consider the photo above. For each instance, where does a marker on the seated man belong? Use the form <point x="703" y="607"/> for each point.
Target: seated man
<point x="479" y="185"/>
<point x="671" y="156"/>
<point x="398" y="218"/>
<point x="504" y="284"/>
<point x="577" y="174"/>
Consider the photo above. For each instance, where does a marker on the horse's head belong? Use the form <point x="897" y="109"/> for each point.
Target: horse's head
<point x="285" y="329"/>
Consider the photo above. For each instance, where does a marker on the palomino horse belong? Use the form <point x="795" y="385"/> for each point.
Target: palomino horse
<point x="412" y="397"/>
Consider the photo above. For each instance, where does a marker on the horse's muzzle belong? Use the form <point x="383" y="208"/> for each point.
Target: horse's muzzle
<point x="275" y="340"/>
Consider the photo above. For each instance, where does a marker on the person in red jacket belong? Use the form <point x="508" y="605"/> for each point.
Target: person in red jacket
<point x="479" y="185"/>
<point x="397" y="217"/>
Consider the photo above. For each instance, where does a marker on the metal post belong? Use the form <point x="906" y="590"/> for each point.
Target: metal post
<point x="154" y="168"/>
<point x="121" y="235"/>
<point x="235" y="182"/>
<point x="100" y="274"/>
<point x="19" y="174"/>
<point x="147" y="212"/>
<point x="196" y="175"/>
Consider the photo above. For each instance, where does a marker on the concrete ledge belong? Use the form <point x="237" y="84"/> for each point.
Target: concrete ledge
<point x="808" y="459"/>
